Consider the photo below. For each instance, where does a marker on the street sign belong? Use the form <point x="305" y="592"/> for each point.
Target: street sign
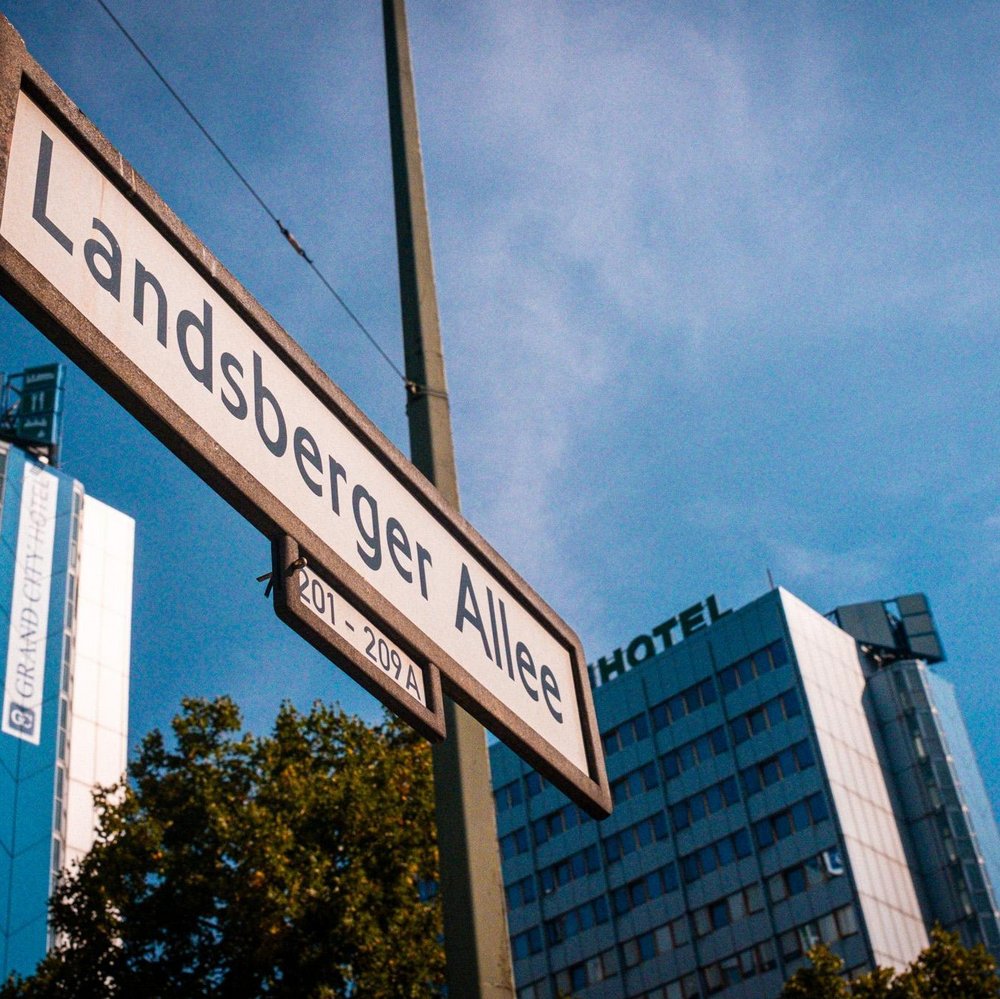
<point x="92" y="256"/>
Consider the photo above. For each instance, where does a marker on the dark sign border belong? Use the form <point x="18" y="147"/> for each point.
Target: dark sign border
<point x="42" y="304"/>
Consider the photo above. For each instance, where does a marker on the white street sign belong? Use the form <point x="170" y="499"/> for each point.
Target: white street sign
<point x="94" y="257"/>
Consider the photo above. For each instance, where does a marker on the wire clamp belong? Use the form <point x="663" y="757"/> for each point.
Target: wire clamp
<point x="293" y="242"/>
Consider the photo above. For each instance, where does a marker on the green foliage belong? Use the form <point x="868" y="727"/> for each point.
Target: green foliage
<point x="820" y="979"/>
<point x="946" y="969"/>
<point x="236" y="866"/>
<point x="943" y="970"/>
<point x="877" y="984"/>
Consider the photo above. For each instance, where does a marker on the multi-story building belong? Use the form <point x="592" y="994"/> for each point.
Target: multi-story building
<point x="65" y="624"/>
<point x="779" y="779"/>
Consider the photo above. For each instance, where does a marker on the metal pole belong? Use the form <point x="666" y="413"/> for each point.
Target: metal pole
<point x="477" y="947"/>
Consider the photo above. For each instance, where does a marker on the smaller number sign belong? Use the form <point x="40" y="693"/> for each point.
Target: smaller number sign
<point x="334" y="625"/>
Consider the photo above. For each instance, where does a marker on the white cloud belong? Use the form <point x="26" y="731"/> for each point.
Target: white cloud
<point x="856" y="570"/>
<point x="630" y="202"/>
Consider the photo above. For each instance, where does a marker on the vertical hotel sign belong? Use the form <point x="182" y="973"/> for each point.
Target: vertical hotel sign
<point x="23" y="692"/>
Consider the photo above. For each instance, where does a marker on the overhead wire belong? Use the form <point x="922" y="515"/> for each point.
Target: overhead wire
<point x="412" y="388"/>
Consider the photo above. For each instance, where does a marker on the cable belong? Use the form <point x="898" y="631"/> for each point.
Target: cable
<point x="412" y="388"/>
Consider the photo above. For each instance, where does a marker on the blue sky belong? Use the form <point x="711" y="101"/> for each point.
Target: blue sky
<point x="718" y="287"/>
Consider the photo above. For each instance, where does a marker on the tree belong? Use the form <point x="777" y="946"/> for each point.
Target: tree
<point x="820" y="979"/>
<point x="946" y="969"/>
<point x="297" y="864"/>
<point x="943" y="970"/>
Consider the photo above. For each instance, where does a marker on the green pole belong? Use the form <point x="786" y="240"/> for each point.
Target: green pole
<point x="477" y="947"/>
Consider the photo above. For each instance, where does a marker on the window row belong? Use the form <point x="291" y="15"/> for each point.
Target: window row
<point x="834" y="926"/>
<point x="642" y="890"/>
<point x="695" y="697"/>
<point x="579" y="976"/>
<point x="576" y="920"/>
<point x="577" y="865"/>
<point x="557" y="822"/>
<point x="705" y="802"/>
<point x="775" y="768"/>
<point x="548" y="826"/>
<point x="721" y="853"/>
<point x="648" y="945"/>
<point x="632" y="838"/>
<point x="637" y="782"/>
<point x="739" y="967"/>
<point x="679" y="988"/>
<point x="768" y="715"/>
<point x="623" y="899"/>
<point x="699" y="750"/>
<point x="803" y="814"/>
<point x="801" y="877"/>
<point x="749" y="668"/>
<point x="517" y="791"/>
<point x="625" y="734"/>
<point x="727" y="910"/>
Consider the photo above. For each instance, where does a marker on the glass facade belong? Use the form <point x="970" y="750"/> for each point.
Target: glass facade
<point x="953" y="839"/>
<point x="755" y="814"/>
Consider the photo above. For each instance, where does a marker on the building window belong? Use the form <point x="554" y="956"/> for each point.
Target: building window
<point x="521" y="892"/>
<point x="827" y="929"/>
<point x="767" y="716"/>
<point x="576" y="920"/>
<point x="534" y="783"/>
<point x="635" y="837"/>
<point x="688" y="701"/>
<point x="536" y="990"/>
<point x="775" y="768"/>
<point x="801" y="877"/>
<point x="699" y="750"/>
<point x="644" y="889"/>
<point x="508" y="796"/>
<point x="707" y="802"/>
<point x="803" y="814"/>
<point x="659" y="941"/>
<point x="579" y="865"/>
<point x="525" y="944"/>
<point x="624" y="735"/>
<point x="711" y="857"/>
<point x="727" y="910"/>
<point x="739" y="967"/>
<point x="514" y="843"/>
<point x="847" y="920"/>
<point x="635" y="783"/>
<point x="753" y="666"/>
<point x="557" y="822"/>
<point x="579" y="976"/>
